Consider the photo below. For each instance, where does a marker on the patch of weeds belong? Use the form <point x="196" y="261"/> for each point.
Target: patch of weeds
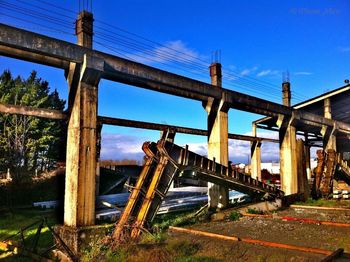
<point x="344" y="242"/>
<point x="197" y="259"/>
<point x="324" y="203"/>
<point x="183" y="248"/>
<point x="260" y="258"/>
<point x="155" y="238"/>
<point x="255" y="211"/>
<point x="163" y="222"/>
<point x="234" y="215"/>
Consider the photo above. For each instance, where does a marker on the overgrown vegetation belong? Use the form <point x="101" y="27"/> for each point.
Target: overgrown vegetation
<point x="150" y="250"/>
<point x="325" y="203"/>
<point x="29" y="143"/>
<point x="11" y="221"/>
<point x="234" y="215"/>
<point x="255" y="211"/>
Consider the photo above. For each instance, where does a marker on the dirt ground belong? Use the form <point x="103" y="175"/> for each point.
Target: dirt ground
<point x="274" y="230"/>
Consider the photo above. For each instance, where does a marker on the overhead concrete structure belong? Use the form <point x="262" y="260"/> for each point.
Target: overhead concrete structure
<point x="84" y="67"/>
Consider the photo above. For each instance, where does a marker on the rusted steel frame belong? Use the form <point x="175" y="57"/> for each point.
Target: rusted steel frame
<point x="252" y="241"/>
<point x="256" y="215"/>
<point x="304" y="220"/>
<point x="203" y="233"/>
<point x="135" y="193"/>
<point x="321" y="208"/>
<point x="326" y="182"/>
<point x="318" y="173"/>
<point x="142" y="214"/>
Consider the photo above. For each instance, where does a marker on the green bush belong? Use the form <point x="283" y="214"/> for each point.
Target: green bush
<point x="255" y="211"/>
<point x="234" y="215"/>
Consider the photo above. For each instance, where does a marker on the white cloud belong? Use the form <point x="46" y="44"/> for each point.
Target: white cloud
<point x="239" y="151"/>
<point x="170" y="51"/>
<point x="303" y="73"/>
<point x="248" y="71"/>
<point x="268" y="72"/>
<point x="344" y="49"/>
<point x="118" y="147"/>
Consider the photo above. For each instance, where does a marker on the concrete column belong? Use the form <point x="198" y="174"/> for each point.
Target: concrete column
<point x="329" y="138"/>
<point x="79" y="203"/>
<point x="84" y="29"/>
<point x="307" y="156"/>
<point x="255" y="156"/>
<point x="288" y="154"/>
<point x="217" y="139"/>
<point x="303" y="186"/>
<point x="81" y="148"/>
<point x="286" y="94"/>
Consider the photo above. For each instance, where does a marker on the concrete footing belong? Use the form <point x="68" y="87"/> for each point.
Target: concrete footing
<point x="79" y="238"/>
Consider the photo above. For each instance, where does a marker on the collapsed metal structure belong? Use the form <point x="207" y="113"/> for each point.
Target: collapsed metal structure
<point x="85" y="67"/>
<point x="164" y="162"/>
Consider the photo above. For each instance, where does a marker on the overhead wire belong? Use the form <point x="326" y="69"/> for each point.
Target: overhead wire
<point x="150" y="50"/>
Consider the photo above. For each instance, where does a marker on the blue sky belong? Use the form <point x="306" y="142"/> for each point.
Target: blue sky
<point x="258" y="40"/>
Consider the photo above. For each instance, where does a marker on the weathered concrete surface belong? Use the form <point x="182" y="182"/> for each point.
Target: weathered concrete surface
<point x="288" y="157"/>
<point x="217" y="140"/>
<point x="303" y="185"/>
<point x="78" y="238"/>
<point x="41" y="49"/>
<point x="329" y="138"/>
<point x="79" y="199"/>
<point x="255" y="156"/>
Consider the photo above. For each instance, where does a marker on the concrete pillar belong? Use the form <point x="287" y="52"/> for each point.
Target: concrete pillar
<point x="303" y="186"/>
<point x="79" y="204"/>
<point x="307" y="156"/>
<point x="286" y="94"/>
<point x="81" y="148"/>
<point x="217" y="139"/>
<point x="255" y="156"/>
<point x="288" y="154"/>
<point x="329" y="138"/>
<point x="84" y="29"/>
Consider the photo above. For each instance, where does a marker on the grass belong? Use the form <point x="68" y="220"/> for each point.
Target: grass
<point x="11" y="221"/>
<point x="325" y="203"/>
<point x="149" y="249"/>
<point x="255" y="211"/>
<point x="234" y="215"/>
<point x="163" y="222"/>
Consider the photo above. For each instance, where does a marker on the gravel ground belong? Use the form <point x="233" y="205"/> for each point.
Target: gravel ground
<point x="273" y="230"/>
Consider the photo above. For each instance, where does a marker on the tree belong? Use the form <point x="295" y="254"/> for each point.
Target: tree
<point x="28" y="143"/>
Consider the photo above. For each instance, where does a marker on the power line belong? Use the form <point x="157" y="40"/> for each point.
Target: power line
<point x="159" y="53"/>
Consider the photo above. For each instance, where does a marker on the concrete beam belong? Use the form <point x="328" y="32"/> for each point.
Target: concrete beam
<point x="103" y="120"/>
<point x="41" y="49"/>
<point x="32" y="111"/>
